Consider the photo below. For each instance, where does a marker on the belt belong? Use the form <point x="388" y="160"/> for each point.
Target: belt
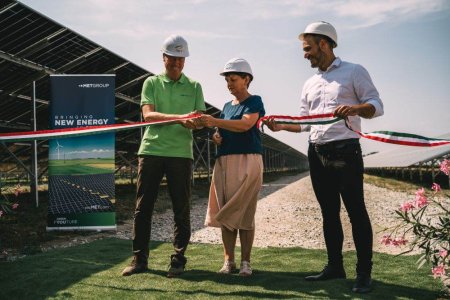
<point x="330" y="146"/>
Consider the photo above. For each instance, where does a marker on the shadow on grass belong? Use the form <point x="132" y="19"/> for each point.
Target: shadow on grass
<point x="288" y="285"/>
<point x="276" y="285"/>
<point x="43" y="275"/>
<point x="93" y="271"/>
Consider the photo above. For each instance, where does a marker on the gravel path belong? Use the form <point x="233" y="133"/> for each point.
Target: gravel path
<point x="288" y="215"/>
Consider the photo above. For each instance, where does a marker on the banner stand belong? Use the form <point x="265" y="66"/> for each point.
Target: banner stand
<point x="81" y="180"/>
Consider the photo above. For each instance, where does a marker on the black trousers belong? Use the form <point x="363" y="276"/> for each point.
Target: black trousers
<point x="336" y="170"/>
<point x="150" y="173"/>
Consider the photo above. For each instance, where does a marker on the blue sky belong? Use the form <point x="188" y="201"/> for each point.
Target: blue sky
<point x="83" y="147"/>
<point x="403" y="44"/>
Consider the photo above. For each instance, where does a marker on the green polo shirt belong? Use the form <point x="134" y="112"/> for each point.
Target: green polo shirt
<point x="170" y="97"/>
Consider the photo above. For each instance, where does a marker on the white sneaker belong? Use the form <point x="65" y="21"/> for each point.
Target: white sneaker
<point x="246" y="269"/>
<point x="228" y="267"/>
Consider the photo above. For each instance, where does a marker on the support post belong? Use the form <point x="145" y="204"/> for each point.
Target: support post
<point x="34" y="161"/>
<point x="420" y="172"/>
<point x="433" y="175"/>
<point x="209" y="158"/>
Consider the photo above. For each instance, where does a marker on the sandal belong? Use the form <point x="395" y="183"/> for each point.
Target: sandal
<point x="246" y="269"/>
<point x="228" y="267"/>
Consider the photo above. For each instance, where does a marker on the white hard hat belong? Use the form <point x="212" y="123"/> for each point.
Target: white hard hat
<point x="322" y="28"/>
<point x="239" y="65"/>
<point x="175" y="45"/>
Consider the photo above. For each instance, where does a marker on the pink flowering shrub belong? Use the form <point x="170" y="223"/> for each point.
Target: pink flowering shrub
<point x="8" y="205"/>
<point x="445" y="167"/>
<point x="426" y="220"/>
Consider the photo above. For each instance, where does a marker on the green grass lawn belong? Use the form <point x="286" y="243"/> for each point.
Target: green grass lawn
<point x="81" y="166"/>
<point x="92" y="271"/>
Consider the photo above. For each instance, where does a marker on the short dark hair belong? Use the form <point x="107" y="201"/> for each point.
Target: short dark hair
<point x="318" y="37"/>
<point x="242" y="75"/>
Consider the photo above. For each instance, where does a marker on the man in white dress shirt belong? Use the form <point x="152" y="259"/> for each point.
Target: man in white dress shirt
<point x="334" y="154"/>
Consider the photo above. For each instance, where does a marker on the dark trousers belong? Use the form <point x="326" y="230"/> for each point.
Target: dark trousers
<point x="150" y="173"/>
<point x="336" y="170"/>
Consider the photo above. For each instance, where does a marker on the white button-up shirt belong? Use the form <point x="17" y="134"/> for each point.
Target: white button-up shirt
<point x="342" y="83"/>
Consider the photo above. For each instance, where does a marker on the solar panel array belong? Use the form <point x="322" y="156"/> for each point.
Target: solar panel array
<point x="33" y="46"/>
<point x="81" y="193"/>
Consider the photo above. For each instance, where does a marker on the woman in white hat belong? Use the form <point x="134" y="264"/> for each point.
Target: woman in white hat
<point x="237" y="176"/>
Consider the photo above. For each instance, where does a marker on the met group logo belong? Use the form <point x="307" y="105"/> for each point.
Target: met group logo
<point x="93" y="85"/>
<point x="179" y="48"/>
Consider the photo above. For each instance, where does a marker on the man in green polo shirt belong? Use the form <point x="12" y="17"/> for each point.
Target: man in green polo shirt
<point x="166" y="150"/>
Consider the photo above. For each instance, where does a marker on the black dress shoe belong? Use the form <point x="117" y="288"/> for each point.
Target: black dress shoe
<point x="328" y="273"/>
<point x="363" y="283"/>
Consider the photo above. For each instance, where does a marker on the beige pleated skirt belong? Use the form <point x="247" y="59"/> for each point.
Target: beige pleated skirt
<point x="233" y="194"/>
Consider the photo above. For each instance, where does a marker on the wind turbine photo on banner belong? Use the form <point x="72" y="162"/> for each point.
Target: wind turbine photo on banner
<point x="58" y="146"/>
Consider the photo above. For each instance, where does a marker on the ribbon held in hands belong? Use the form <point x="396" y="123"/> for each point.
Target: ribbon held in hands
<point x="391" y="137"/>
<point x="303" y="120"/>
<point x="81" y="131"/>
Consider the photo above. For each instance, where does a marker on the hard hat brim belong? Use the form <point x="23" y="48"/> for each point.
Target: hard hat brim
<point x="232" y="71"/>
<point x="175" y="54"/>
<point x="301" y="37"/>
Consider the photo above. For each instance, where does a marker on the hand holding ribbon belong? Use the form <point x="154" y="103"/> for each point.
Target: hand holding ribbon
<point x="391" y="137"/>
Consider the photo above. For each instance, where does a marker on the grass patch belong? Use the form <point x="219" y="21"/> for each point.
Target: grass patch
<point x="398" y="185"/>
<point x="391" y="184"/>
<point x="93" y="271"/>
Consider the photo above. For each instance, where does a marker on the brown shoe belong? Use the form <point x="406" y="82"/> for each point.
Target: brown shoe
<point x="177" y="265"/>
<point x="137" y="265"/>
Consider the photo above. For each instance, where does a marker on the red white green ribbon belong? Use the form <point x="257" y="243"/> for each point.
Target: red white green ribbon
<point x="304" y="120"/>
<point x="391" y="137"/>
<point x="406" y="139"/>
<point x="81" y="131"/>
